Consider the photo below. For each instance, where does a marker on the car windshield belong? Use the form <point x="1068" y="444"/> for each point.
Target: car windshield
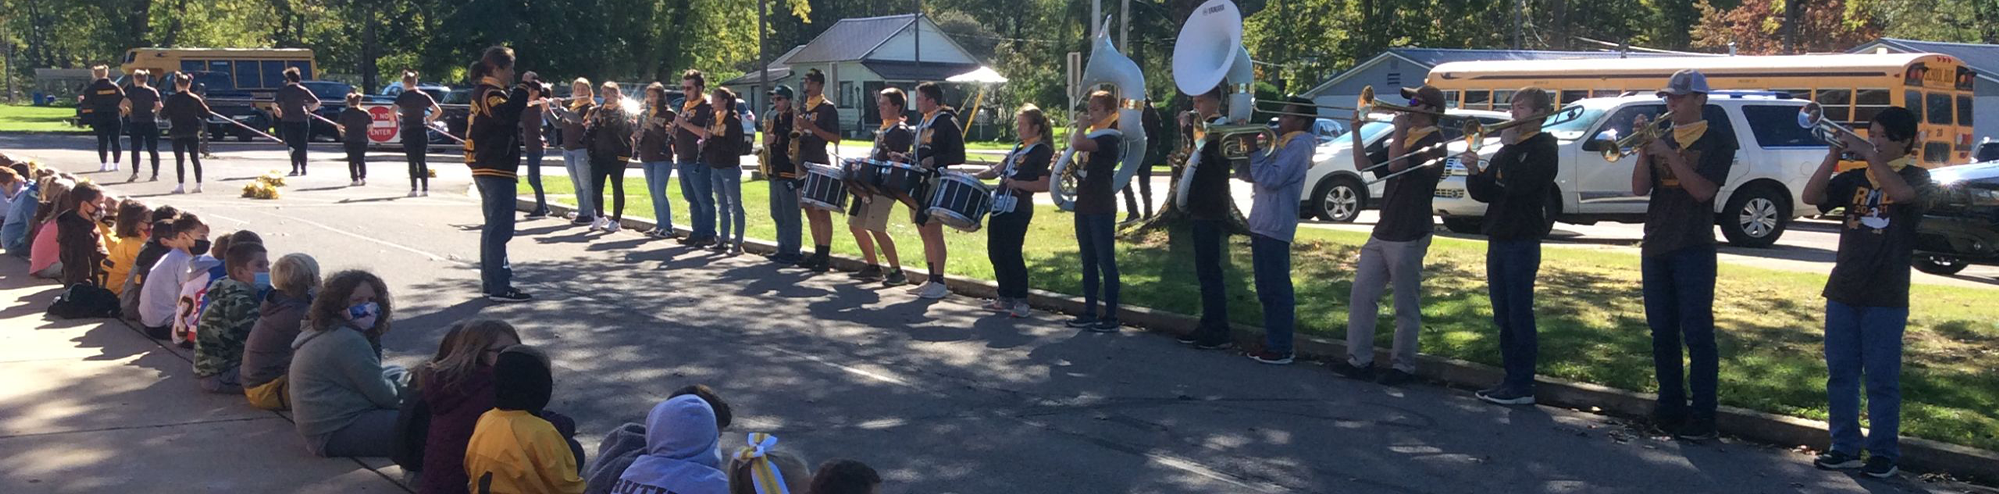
<point x="1573" y="129"/>
<point x="327" y="91"/>
<point x="456" y="97"/>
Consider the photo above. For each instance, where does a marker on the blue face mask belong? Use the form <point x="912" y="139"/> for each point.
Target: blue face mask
<point x="262" y="281"/>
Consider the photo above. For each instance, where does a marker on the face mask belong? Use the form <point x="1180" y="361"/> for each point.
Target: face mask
<point x="200" y="247"/>
<point x="364" y="315"/>
<point x="262" y="281"/>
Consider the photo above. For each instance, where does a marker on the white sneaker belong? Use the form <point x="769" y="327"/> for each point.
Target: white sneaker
<point x="610" y="226"/>
<point x="425" y="193"/>
<point x="571" y="216"/>
<point x="362" y="182"/>
<point x="354" y="183"/>
<point x="602" y="223"/>
<point x="180" y="189"/>
<point x="197" y="188"/>
<point x="412" y="193"/>
<point x="933" y="290"/>
<point x="103" y="166"/>
<point x="114" y="166"/>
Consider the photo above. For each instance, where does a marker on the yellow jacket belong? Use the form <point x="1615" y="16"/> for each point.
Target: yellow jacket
<point x="124" y="253"/>
<point x="513" y="451"/>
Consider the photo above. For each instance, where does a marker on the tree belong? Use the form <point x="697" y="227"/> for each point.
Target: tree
<point x="1754" y="27"/>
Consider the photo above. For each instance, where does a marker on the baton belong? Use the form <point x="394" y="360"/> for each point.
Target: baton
<point x="245" y="126"/>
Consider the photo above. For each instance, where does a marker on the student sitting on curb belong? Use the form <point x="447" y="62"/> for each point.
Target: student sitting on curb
<point x="232" y="312"/>
<point x="267" y="354"/>
<point x="513" y="447"/>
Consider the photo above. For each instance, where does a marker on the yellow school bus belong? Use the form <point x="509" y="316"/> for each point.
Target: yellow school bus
<point x="258" y="71"/>
<point x="1852" y="87"/>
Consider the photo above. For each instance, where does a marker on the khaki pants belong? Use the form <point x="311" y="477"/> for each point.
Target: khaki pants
<point x="1383" y="262"/>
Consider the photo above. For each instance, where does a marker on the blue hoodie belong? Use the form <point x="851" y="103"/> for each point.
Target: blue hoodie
<point x="681" y="441"/>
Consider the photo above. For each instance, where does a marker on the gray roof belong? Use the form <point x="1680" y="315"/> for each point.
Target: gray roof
<point x="912" y="71"/>
<point x="779" y="69"/>
<point x="852" y="39"/>
<point x="1432" y="57"/>
<point x="1979" y="57"/>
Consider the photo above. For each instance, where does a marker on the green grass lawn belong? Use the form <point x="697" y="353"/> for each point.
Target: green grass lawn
<point x="23" y="118"/>
<point x="1591" y="312"/>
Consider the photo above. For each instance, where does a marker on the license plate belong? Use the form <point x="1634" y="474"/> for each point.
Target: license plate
<point x="1450" y="193"/>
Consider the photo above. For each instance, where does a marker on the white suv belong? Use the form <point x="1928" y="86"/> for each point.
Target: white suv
<point x="1338" y="192"/>
<point x="1758" y="201"/>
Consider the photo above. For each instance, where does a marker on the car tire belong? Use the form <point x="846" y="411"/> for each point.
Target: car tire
<point x="1755" y="217"/>
<point x="1465" y="225"/>
<point x="1339" y="200"/>
<point x="1938" y="265"/>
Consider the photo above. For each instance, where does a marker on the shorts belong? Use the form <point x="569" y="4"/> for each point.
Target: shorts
<point x="870" y="214"/>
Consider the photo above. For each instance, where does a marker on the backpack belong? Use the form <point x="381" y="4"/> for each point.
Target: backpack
<point x="84" y="301"/>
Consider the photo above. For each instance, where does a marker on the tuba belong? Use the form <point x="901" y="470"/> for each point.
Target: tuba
<point x="1209" y="51"/>
<point x="1107" y="66"/>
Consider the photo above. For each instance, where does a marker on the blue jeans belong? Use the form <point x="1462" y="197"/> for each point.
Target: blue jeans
<point x="1510" y="268"/>
<point x="1679" y="303"/>
<point x="696" y="186"/>
<point x="1210" y="254"/>
<point x="577" y="163"/>
<point x="534" y="181"/>
<point x="1864" y="341"/>
<point x="1270" y="259"/>
<point x="657" y="174"/>
<point x="496" y="199"/>
<point x="728" y="190"/>
<point x="784" y="213"/>
<point x="1099" y="254"/>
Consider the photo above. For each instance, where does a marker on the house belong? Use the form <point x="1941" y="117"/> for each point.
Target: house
<point x="863" y="56"/>
<point x="1409" y="67"/>
<point x="1983" y="59"/>
<point x="749" y="86"/>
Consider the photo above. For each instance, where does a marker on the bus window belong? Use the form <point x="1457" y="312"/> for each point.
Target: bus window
<point x="1478" y="100"/>
<point x="304" y="69"/>
<point x="1605" y="93"/>
<point x="1913" y="100"/>
<point x="274" y="74"/>
<point x="1940" y="108"/>
<point x="1836" y="103"/>
<point x="1570" y="96"/>
<point x="1867" y="103"/>
<point x="1964" y="110"/>
<point x="193" y="65"/>
<point x="1936" y="151"/>
<point x="1450" y="99"/>
<point x="247" y="76"/>
<point x="1777" y="126"/>
<point x="1501" y="100"/>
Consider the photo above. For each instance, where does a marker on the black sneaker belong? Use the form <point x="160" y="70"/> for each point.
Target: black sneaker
<point x="1835" y="460"/>
<point x="702" y="242"/>
<point x="870" y="273"/>
<point x="511" y="295"/>
<point x="1106" y="326"/>
<point x="1189" y="339"/>
<point x="536" y="214"/>
<point x="1507" y="396"/>
<point x="1879" y="467"/>
<point x="1394" y="377"/>
<point x="1351" y="371"/>
<point x="895" y="278"/>
<point x="821" y="263"/>
<point x="1695" y="429"/>
<point x="1214" y="344"/>
<point x="1667" y="421"/>
<point x="1081" y="322"/>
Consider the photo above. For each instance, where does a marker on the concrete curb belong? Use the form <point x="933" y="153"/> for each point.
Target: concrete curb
<point x="1917" y="453"/>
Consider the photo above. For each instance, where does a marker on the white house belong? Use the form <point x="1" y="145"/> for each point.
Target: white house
<point x="863" y="56"/>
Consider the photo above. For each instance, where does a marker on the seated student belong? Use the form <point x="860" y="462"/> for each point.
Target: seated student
<point x="626" y="443"/>
<point x="231" y="313"/>
<point x="344" y="400"/>
<point x="841" y="476"/>
<point x="185" y="238"/>
<point x="514" y="449"/>
<point x="44" y="255"/>
<point x="680" y="451"/>
<point x="11" y="185"/>
<point x="149" y="255"/>
<point x="134" y="221"/>
<point x="267" y="354"/>
<point x="457" y="388"/>
<point x="81" y="245"/>
<point x="201" y="273"/>
<point x="757" y="469"/>
<point x="14" y="227"/>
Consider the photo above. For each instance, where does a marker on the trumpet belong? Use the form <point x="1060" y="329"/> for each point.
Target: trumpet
<point x="1812" y="116"/>
<point x="1640" y="137"/>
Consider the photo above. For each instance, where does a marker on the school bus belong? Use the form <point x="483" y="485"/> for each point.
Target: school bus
<point x="258" y="71"/>
<point x="1852" y="87"/>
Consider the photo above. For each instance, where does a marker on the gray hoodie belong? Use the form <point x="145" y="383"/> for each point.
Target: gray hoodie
<point x="336" y="377"/>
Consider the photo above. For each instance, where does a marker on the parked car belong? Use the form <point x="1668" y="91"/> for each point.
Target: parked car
<point x="332" y="100"/>
<point x="1757" y="203"/>
<point x="1988" y="150"/>
<point x="1338" y="191"/>
<point x="1961" y="227"/>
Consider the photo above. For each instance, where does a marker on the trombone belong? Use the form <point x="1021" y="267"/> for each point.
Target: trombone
<point x="1641" y="136"/>
<point x="1471" y="132"/>
<point x="1475" y="131"/>
<point x="1364" y="105"/>
<point x="1812" y="116"/>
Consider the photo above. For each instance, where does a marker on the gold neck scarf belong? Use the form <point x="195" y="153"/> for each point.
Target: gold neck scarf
<point x="1686" y="134"/>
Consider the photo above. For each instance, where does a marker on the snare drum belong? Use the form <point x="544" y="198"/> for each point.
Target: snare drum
<point x="960" y="201"/>
<point x="861" y="178"/>
<point x="902" y="181"/>
<point x="824" y="188"/>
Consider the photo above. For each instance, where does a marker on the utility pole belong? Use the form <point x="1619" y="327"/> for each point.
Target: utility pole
<point x="1096" y="19"/>
<point x="1518" y="7"/>
<point x="1124" y="28"/>
<point x="758" y="98"/>
<point x="1791" y="27"/>
<point x="918" y="26"/>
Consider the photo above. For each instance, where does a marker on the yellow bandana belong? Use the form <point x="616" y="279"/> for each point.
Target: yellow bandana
<point x="690" y="104"/>
<point x="1416" y="135"/>
<point x="813" y="102"/>
<point x="1286" y="140"/>
<point x="886" y="124"/>
<point x="1686" y="134"/>
<point x="718" y="128"/>
<point x="1897" y="165"/>
<point x="1106" y="123"/>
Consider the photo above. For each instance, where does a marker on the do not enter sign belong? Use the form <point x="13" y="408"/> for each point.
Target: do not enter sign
<point x="382" y="125"/>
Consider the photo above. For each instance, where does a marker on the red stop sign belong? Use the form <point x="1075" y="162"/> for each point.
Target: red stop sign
<point x="382" y="126"/>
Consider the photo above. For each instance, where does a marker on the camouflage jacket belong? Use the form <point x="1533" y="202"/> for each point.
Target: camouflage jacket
<point x="224" y="326"/>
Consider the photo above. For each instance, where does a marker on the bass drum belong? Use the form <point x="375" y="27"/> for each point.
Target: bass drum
<point x="960" y="201"/>
<point x="824" y="188"/>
